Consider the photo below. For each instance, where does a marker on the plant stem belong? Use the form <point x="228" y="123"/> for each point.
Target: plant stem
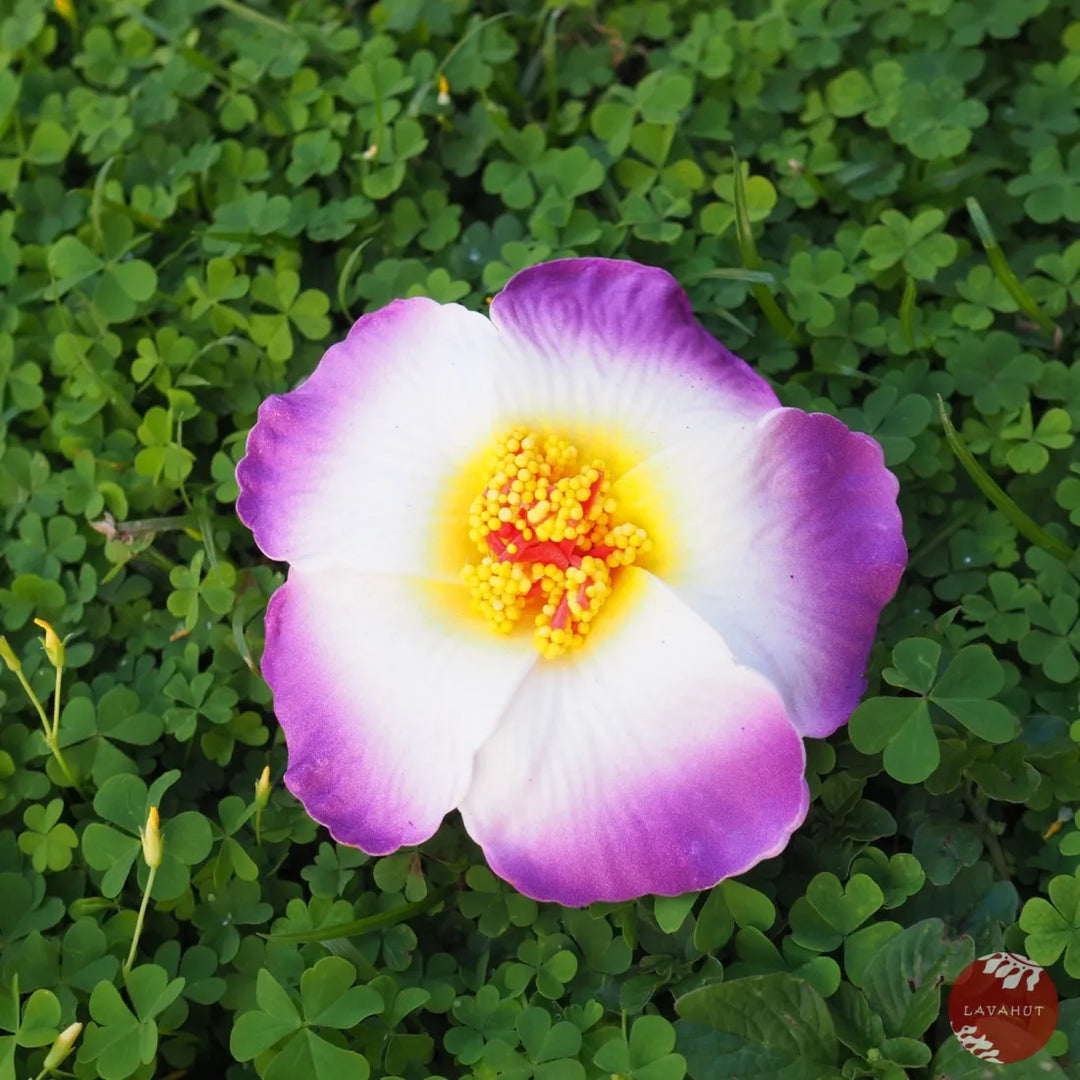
<point x="139" y="921"/>
<point x="56" y="704"/>
<point x="34" y="700"/>
<point x="51" y="730"/>
<point x="997" y="856"/>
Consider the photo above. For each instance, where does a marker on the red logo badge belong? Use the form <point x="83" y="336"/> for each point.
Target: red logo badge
<point x="1003" y="1007"/>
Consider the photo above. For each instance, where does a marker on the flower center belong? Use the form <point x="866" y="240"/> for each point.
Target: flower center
<point x="544" y="526"/>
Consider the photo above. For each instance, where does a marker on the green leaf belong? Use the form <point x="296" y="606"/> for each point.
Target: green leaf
<point x="1053" y="927"/>
<point x="255" y="1032"/>
<point x="647" y="1055"/>
<point x="273" y="1000"/>
<point x="277" y="1017"/>
<point x="330" y="1000"/>
<point x="151" y="990"/>
<point x="671" y="911"/>
<point x="766" y="1025"/>
<point x="903" y="980"/>
<point x="902" y="727"/>
<point x="49" y="144"/>
<point x="943" y="847"/>
<point x="308" y="1055"/>
<point x="962" y="691"/>
<point x="844" y="908"/>
<point x="41" y="1015"/>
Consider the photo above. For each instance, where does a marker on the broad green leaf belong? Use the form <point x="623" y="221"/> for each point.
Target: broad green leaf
<point x="765" y="1025"/>
<point x="903" y="981"/>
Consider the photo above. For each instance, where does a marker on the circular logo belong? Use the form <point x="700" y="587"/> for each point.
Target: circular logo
<point x="1003" y="1007"/>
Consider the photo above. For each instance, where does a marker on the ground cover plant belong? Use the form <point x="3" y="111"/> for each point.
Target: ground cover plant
<point x="875" y="203"/>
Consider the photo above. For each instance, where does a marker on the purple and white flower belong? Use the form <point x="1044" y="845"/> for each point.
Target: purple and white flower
<point x="570" y="569"/>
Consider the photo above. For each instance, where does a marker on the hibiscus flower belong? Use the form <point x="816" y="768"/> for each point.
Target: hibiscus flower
<point x="570" y="569"/>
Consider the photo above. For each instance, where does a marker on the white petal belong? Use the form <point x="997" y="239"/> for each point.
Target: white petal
<point x="358" y="466"/>
<point x="385" y="688"/>
<point x="788" y="540"/>
<point x="647" y="762"/>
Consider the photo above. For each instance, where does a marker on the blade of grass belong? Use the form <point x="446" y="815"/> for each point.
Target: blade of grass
<point x="907" y="311"/>
<point x="346" y="274"/>
<point x="752" y="261"/>
<point x="1004" y="272"/>
<point x="736" y="273"/>
<point x="358" y="927"/>
<point x="1020" y="521"/>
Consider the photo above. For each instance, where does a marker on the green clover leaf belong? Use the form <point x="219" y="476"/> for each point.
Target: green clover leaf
<point x="1061" y="286"/>
<point x="993" y="371"/>
<point x="936" y="119"/>
<point x="812" y="279"/>
<point x="119" y="1040"/>
<point x="1054" y="639"/>
<point x="1053" y="927"/>
<point x="915" y="244"/>
<point x="645" y="1055"/>
<point x="48" y="841"/>
<point x="328" y="998"/>
<point x="901" y="728"/>
<point x="306" y="311"/>
<point x="1052" y="186"/>
<point x="829" y="912"/>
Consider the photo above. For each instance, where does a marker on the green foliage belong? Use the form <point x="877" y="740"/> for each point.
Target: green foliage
<point x="1053" y="928"/>
<point x="195" y="199"/>
<point x="903" y="727"/>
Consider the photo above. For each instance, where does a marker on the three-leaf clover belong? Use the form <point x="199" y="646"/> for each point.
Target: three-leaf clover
<point x="279" y="1034"/>
<point x="119" y="1039"/>
<point x="1053" y="927"/>
<point x="645" y="1055"/>
<point x="48" y="841"/>
<point x="1052" y="186"/>
<point x="993" y="370"/>
<point x="1054" y="638"/>
<point x="901" y="728"/>
<point x="306" y="311"/>
<point x="120" y="284"/>
<point x="936" y="119"/>
<point x="916" y="243"/>
<point x="812" y="279"/>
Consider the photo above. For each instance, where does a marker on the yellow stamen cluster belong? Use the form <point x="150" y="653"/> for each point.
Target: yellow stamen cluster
<point x="498" y="591"/>
<point x="543" y="526"/>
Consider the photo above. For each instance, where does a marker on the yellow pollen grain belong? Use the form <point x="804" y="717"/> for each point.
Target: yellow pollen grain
<point x="539" y="493"/>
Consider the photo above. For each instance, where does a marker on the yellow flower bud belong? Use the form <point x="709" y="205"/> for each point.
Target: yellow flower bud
<point x="262" y="788"/>
<point x="60" y="1049"/>
<point x="444" y="91"/>
<point x="7" y="654"/>
<point x="54" y="647"/>
<point x="151" y="839"/>
<point x="66" y="10"/>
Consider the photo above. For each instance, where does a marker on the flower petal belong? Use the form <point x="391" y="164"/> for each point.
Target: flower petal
<point x="385" y="692"/>
<point x="352" y="467"/>
<point x="789" y="542"/>
<point x="614" y="344"/>
<point x="648" y="762"/>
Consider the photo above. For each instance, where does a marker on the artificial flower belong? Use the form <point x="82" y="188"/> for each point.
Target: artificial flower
<point x="570" y="569"/>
